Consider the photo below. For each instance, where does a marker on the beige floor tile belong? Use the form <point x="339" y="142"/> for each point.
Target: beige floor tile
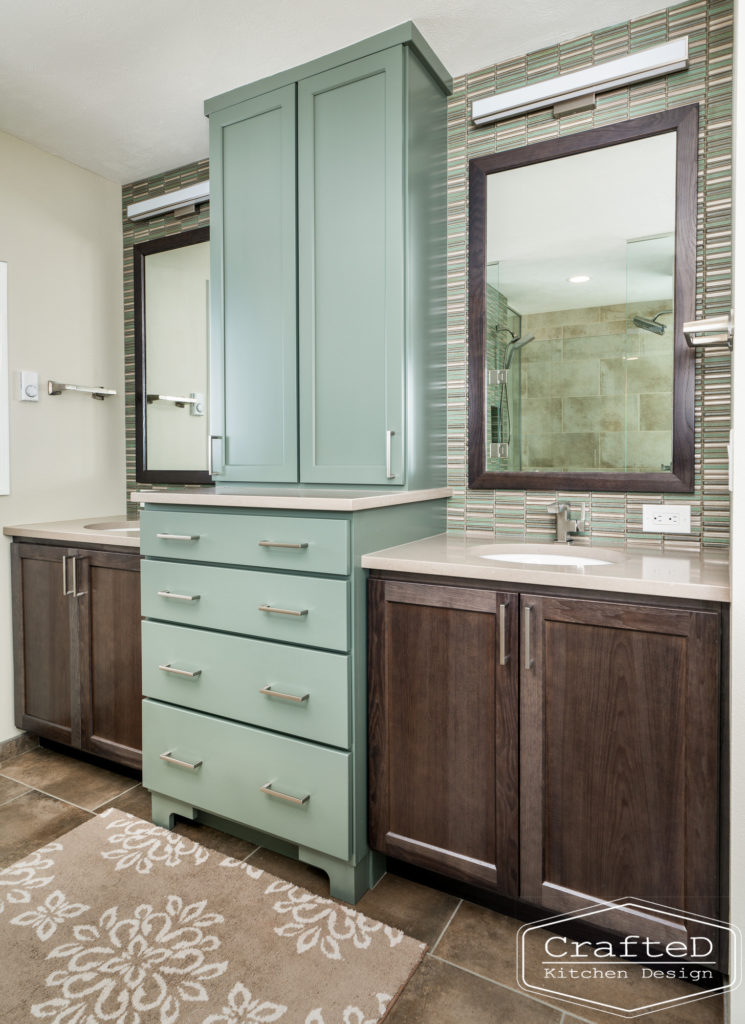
<point x="441" y="994"/>
<point x="68" y="778"/>
<point x="9" y="790"/>
<point x="32" y="821"/>
<point x="418" y="910"/>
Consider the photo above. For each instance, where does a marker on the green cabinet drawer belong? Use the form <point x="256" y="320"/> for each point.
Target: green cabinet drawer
<point x="305" y="610"/>
<point x="287" y="787"/>
<point x="296" y="543"/>
<point x="229" y="676"/>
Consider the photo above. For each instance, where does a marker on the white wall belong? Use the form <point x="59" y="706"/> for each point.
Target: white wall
<point x="61" y="235"/>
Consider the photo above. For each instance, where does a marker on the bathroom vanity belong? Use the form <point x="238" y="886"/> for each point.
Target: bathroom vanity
<point x="551" y="734"/>
<point x="76" y="643"/>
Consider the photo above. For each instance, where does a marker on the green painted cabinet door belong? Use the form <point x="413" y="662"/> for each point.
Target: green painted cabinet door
<point x="351" y="272"/>
<point x="253" y="390"/>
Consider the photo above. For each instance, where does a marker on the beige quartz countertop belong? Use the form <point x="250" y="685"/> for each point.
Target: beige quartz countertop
<point x="112" y="531"/>
<point x="638" y="570"/>
<point x="300" y="498"/>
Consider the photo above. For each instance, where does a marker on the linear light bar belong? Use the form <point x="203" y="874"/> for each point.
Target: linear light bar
<point x="636" y="67"/>
<point x="189" y="196"/>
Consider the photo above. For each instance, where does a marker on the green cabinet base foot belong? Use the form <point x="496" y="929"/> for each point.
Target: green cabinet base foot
<point x="165" y="808"/>
<point x="347" y="881"/>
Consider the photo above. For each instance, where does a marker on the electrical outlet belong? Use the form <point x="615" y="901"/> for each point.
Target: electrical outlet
<point x="666" y="518"/>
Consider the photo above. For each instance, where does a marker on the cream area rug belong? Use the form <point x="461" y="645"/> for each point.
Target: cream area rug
<point x="123" y="922"/>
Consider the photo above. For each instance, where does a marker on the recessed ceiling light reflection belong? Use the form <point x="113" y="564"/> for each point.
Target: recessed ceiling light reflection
<point x="578" y="279"/>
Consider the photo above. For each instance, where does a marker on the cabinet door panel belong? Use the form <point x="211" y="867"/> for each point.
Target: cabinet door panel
<point x="111" y="688"/>
<point x="351" y="286"/>
<point x="44" y="621"/>
<point x="443" y="731"/>
<point x="619" y="748"/>
<point x="253" y="392"/>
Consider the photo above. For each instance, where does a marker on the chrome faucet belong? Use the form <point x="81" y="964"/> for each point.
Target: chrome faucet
<point x="566" y="527"/>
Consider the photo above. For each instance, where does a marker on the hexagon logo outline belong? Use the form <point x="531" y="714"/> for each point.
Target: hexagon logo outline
<point x="632" y="904"/>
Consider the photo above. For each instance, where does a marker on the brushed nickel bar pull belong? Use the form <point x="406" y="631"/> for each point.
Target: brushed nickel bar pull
<point x="178" y="597"/>
<point x="716" y="330"/>
<point x="389" y="434"/>
<point x="297" y="800"/>
<point x="527" y="617"/>
<point x="282" y="544"/>
<point x="503" y="655"/>
<point x="181" y="671"/>
<point x="177" y="536"/>
<point x="211" y="456"/>
<point x="191" y="765"/>
<point x="75" y="591"/>
<point x="269" y="692"/>
<point x="65" y="591"/>
<point x="282" y="611"/>
<point x="176" y="399"/>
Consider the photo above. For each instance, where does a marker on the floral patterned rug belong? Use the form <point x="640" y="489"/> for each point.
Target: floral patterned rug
<point x="122" y="921"/>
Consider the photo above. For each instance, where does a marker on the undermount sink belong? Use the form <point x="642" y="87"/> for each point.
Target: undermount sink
<point x="549" y="554"/>
<point x="114" y="526"/>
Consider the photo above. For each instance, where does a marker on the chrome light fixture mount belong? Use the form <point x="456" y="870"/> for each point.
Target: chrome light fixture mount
<point x="182" y="202"/>
<point x="577" y="89"/>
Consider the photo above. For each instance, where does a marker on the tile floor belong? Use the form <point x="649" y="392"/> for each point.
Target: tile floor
<point x="468" y="975"/>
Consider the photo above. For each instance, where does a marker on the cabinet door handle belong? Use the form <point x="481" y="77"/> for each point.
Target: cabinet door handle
<point x="297" y="800"/>
<point x="211" y="456"/>
<point x="177" y="536"/>
<point x="527" y="618"/>
<point x="389" y="435"/>
<point x="282" y="544"/>
<point x="503" y="655"/>
<point x="269" y="692"/>
<point x="75" y="591"/>
<point x="178" y="597"/>
<point x="181" y="671"/>
<point x="191" y="765"/>
<point x="65" y="591"/>
<point x="282" y="611"/>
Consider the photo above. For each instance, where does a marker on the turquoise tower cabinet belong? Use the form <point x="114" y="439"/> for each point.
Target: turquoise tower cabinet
<point x="327" y="404"/>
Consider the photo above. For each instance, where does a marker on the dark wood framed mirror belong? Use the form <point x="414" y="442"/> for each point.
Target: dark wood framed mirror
<point x="171" y="320"/>
<point x="582" y="271"/>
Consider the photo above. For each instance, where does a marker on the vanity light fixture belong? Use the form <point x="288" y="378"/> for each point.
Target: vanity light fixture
<point x="636" y="67"/>
<point x="182" y="199"/>
<point x="578" y="279"/>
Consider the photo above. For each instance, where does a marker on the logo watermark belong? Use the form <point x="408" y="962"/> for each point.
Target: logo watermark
<point x="659" y="957"/>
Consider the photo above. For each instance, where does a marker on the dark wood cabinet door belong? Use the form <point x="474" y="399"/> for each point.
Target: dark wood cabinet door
<point x="109" y="654"/>
<point x="619" y="756"/>
<point x="443" y="730"/>
<point x="44" y="622"/>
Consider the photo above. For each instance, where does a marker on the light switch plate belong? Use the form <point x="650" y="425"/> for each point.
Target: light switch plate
<point x="28" y="386"/>
<point x="666" y="518"/>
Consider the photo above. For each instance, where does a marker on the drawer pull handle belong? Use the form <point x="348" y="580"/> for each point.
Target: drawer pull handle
<point x="177" y="536"/>
<point x="178" y="597"/>
<point x="181" y="671"/>
<point x="503" y="655"/>
<point x="191" y="765"/>
<point x="282" y="544"/>
<point x="528" y="615"/>
<point x="282" y="611"/>
<point x="297" y="800"/>
<point x="269" y="692"/>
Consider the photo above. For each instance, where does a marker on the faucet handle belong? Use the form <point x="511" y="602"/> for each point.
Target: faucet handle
<point x="556" y="507"/>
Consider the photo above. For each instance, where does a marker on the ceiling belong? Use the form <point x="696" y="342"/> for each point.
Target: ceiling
<point x="117" y="86"/>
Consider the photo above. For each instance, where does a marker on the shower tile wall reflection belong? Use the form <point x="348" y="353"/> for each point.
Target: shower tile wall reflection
<point x="596" y="391"/>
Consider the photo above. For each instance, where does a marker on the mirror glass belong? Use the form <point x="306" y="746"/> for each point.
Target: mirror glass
<point x="172" y="332"/>
<point x="579" y="310"/>
<point x="577" y="325"/>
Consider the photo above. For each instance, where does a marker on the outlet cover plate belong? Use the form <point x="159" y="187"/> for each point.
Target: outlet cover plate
<point x="666" y="518"/>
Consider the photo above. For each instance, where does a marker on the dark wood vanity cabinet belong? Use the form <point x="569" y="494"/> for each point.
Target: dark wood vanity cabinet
<point x="76" y="639"/>
<point x="444" y="730"/>
<point x="615" y="704"/>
